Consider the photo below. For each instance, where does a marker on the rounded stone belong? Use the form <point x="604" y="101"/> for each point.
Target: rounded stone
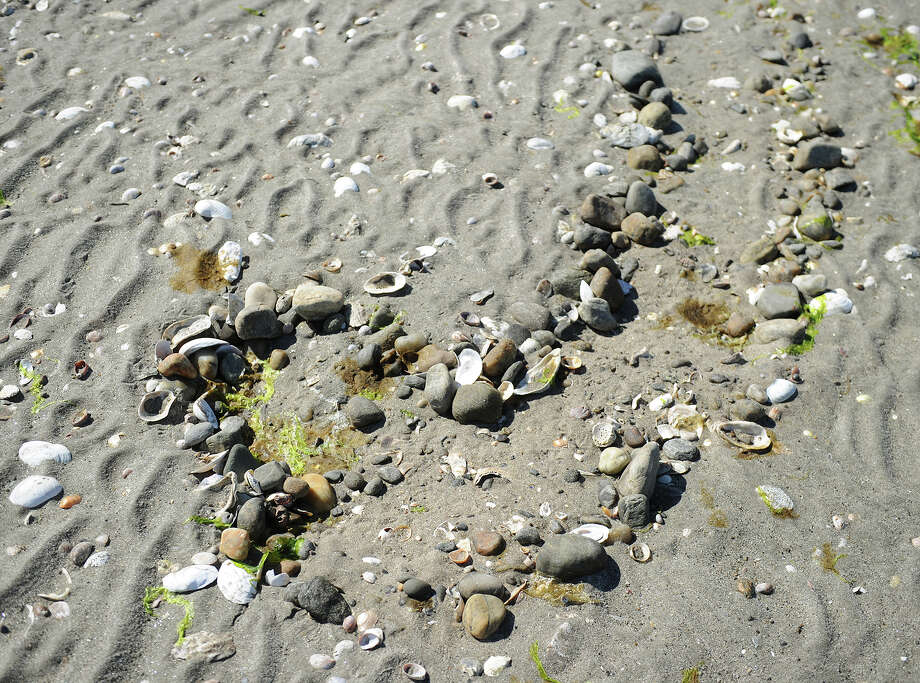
<point x="481" y="583"/>
<point x="680" y="449"/>
<point x="317" y="302"/>
<point x="487" y="542"/>
<point x="634" y="510"/>
<point x="483" y="615"/>
<point x="499" y="358"/>
<point x="257" y="322"/>
<point x="320" y="497"/>
<point x="362" y="412"/>
<point x="417" y="589"/>
<point x="570" y="556"/>
<point x="655" y="115"/>
<point x="477" y="403"/>
<point x="234" y="543"/>
<point x="177" y="365"/>
<point x="613" y="460"/>
<point x="279" y="359"/>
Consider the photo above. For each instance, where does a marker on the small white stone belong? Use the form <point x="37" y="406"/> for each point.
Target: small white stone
<point x="727" y="82"/>
<point x="343" y="185"/>
<point x="276" y="579"/>
<point x="204" y="558"/>
<point x="97" y="559"/>
<point x="211" y="208"/>
<point x="35" y="490"/>
<point x="229" y="258"/>
<point x="901" y="252"/>
<point x="513" y="51"/>
<point x="596" y="168"/>
<point x="192" y="578"/>
<point x="310" y="60"/>
<point x="495" y="665"/>
<point x="321" y="661"/>
<point x="137" y="82"/>
<point x="540" y="144"/>
<point x="70" y="113"/>
<point x="370" y="577"/>
<point x="906" y="81"/>
<point x="866" y="14"/>
<point x="462" y="102"/>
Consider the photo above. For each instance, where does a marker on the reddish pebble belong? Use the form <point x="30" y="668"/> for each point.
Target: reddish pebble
<point x="487" y="542"/>
<point x="68" y="502"/>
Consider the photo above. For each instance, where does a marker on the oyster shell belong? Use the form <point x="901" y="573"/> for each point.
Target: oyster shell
<point x="640" y="552"/>
<point x="155" y="406"/>
<point x="748" y="436"/>
<point x="469" y="367"/>
<point x="385" y="283"/>
<point x="540" y="377"/>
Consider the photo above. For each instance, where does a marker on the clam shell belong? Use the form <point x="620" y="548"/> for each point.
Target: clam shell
<point x="35" y="490"/>
<point x="366" y="620"/>
<point x="469" y="367"/>
<point x="321" y="661"/>
<point x="219" y="345"/>
<point x="370" y="639"/>
<point x="506" y="389"/>
<point x="385" y="283"/>
<point x="760" y="439"/>
<point x="155" y="406"/>
<point x="781" y="390"/>
<point x="571" y="362"/>
<point x="695" y="24"/>
<point x="540" y="377"/>
<point x="640" y="552"/>
<point x="191" y="578"/>
<point x="236" y="584"/>
<point x="185" y="329"/>
<point x="585" y="292"/>
<point x="203" y="411"/>
<point x="596" y="532"/>
<point x="33" y="453"/>
<point x="415" y="672"/>
<point x="343" y="185"/>
<point x="603" y="434"/>
<point x="470" y="319"/>
<point x="211" y="208"/>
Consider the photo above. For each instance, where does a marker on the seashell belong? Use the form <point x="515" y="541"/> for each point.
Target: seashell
<point x="155" y="406"/>
<point x="385" y="283"/>
<point x="540" y="377"/>
<point x="332" y="265"/>
<point x="68" y="502"/>
<point x="659" y="403"/>
<point x="69" y="113"/>
<point x="211" y="208"/>
<point x="203" y="411"/>
<point x="469" y="367"/>
<point x="370" y="639"/>
<point x="512" y="51"/>
<point x="640" y="552"/>
<point x="415" y="672"/>
<point x="680" y="467"/>
<point x="276" y="579"/>
<point x="571" y="362"/>
<point x="137" y="82"/>
<point x="59" y="610"/>
<point x="462" y="102"/>
<point x="540" y="144"/>
<point x="342" y="648"/>
<point x="185" y="329"/>
<point x="343" y="185"/>
<point x="230" y="258"/>
<point x="201" y="343"/>
<point x="695" y="24"/>
<point x="748" y="436"/>
<point x="459" y="556"/>
<point x="35" y="490"/>
<point x="191" y="578"/>
<point x="426" y="251"/>
<point x="506" y="389"/>
<point x="310" y="140"/>
<point x="349" y="623"/>
<point x="320" y="661"/>
<point x="236" y="584"/>
<point x="495" y="664"/>
<point x="483" y="295"/>
<point x="99" y="559"/>
<point x="781" y="390"/>
<point x="470" y="319"/>
<point x="366" y="620"/>
<point x="603" y="434"/>
<point x="585" y="292"/>
<point x="596" y="532"/>
<point x="33" y="453"/>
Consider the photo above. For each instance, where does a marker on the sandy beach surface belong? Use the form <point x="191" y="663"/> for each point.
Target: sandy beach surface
<point x="455" y="144"/>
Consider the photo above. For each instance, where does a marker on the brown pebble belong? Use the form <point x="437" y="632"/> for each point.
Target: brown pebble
<point x="290" y="567"/>
<point x="487" y="542"/>
<point x="633" y="437"/>
<point x="68" y="502"/>
<point x="738" y="325"/>
<point x="499" y="358"/>
<point x="279" y="359"/>
<point x="234" y="543"/>
<point x="295" y="486"/>
<point x="177" y="365"/>
<point x="746" y="588"/>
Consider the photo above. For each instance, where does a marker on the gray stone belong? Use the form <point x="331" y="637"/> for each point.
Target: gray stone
<point x="320" y="598"/>
<point x="528" y="536"/>
<point x="817" y="155"/>
<point x="602" y="212"/>
<point x="354" y="481"/>
<point x="231" y="367"/>
<point x="786" y="330"/>
<point x="514" y="372"/>
<point x="641" y="472"/>
<point x="233" y="430"/>
<point x="655" y="115"/>
<point x="194" y="434"/>
<point x="239" y="459"/>
<point x="667" y="24"/>
<point x="481" y="583"/>
<point x="595" y="259"/>
<point x="761" y="250"/>
<point x="530" y="315"/>
<point x="644" y="158"/>
<point x="779" y="301"/>
<point x="316" y="302"/>
<point x="259" y="293"/>
<point x="588" y="237"/>
<point x="440" y="388"/>
<point x="607" y="495"/>
<point x="568" y="283"/>
<point x="416" y="381"/>
<point x="644" y="230"/>
<point x="570" y="556"/>
<point x="747" y="410"/>
<point x="758" y="83"/>
<point x="251" y="517"/>
<point x="270" y="476"/>
<point x="369" y="356"/>
<point x="631" y="69"/>
<point x="641" y="199"/>
<point x="417" y="589"/>
<point x="205" y="647"/>
<point x="390" y="474"/>
<point x="811" y="285"/>
<point x="634" y="510"/>
<point x="362" y="412"/>
<point x="257" y="322"/>
<point x="815" y="223"/>
<point x="680" y="449"/>
<point x="477" y="403"/>
<point x="517" y="333"/>
<point x="595" y="312"/>
<point x="375" y="487"/>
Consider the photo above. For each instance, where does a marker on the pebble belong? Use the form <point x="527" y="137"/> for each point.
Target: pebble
<point x="362" y="412"/>
<point x="417" y="589"/>
<point x="480" y="582"/>
<point x="483" y="615"/>
<point x="781" y="391"/>
<point x="80" y="553"/>
<point x="476" y="403"/>
<point x="487" y="542"/>
<point x="639" y="475"/>
<point x="320" y="598"/>
<point x="779" y="301"/>
<point x="34" y="453"/>
<point x="192" y="578"/>
<point x="634" y="510"/>
<point x="316" y="302"/>
<point x="631" y="69"/>
<point x="390" y="474"/>
<point x="235" y="583"/>
<point x="569" y="556"/>
<point x="234" y="543"/>
<point x="680" y="449"/>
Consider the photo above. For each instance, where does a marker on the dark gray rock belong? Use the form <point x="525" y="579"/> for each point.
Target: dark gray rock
<point x="239" y="459"/>
<point x="569" y="556"/>
<point x="595" y="259"/>
<point x="817" y="155"/>
<point x="761" y="250"/>
<point x="528" y="536"/>
<point x="477" y="404"/>
<point x="607" y="495"/>
<point x="231" y="367"/>
<point x="417" y="589"/>
<point x="747" y="410"/>
<point x="779" y="301"/>
<point x="680" y="449"/>
<point x="194" y="434"/>
<point x="634" y="510"/>
<point x="567" y="282"/>
<point x="840" y="179"/>
<point x="270" y="476"/>
<point x="588" y="237"/>
<point x="369" y="356"/>
<point x="667" y="24"/>
<point x="514" y="372"/>
<point x="800" y="41"/>
<point x="233" y="431"/>
<point x="251" y="517"/>
<point x="322" y="600"/>
<point x="440" y="388"/>
<point x="80" y="552"/>
<point x="517" y="333"/>
<point x="480" y="583"/>
<point x="354" y="481"/>
<point x="641" y="199"/>
<point x="531" y="315"/>
<point x="602" y="212"/>
<point x="257" y="322"/>
<point x="375" y="487"/>
<point x="362" y="412"/>
<point x="631" y="69"/>
<point x="390" y="474"/>
<point x="596" y="314"/>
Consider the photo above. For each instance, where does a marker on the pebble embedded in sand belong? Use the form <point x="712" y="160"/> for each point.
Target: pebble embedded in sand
<point x="513" y="51"/>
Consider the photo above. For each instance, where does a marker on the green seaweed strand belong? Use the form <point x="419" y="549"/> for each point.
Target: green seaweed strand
<point x="535" y="656"/>
<point x="208" y="520"/>
<point x="813" y="314"/>
<point x="151" y="593"/>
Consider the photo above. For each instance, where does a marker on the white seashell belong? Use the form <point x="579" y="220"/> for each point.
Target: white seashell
<point x="695" y="24"/>
<point x="596" y="169"/>
<point x="385" y="283"/>
<point x="310" y="140"/>
<point x="462" y="102"/>
<point x="203" y="411"/>
<point x="99" y="559"/>
<point x="495" y="665"/>
<point x="901" y="252"/>
<point x="905" y="81"/>
<point x="370" y="639"/>
<point x="229" y="258"/>
<point x="626" y="135"/>
<point x="660" y="402"/>
<point x="457" y="464"/>
<point x="204" y="558"/>
<point x="366" y="620"/>
<point x="540" y="377"/>
<point x="343" y="185"/>
<point x="603" y="434"/>
<point x="184" y="178"/>
<point x="137" y="82"/>
<point x="442" y="166"/>
<point x="310" y="60"/>
<point x="59" y="609"/>
<point x="105" y="125"/>
<point x="70" y="113"/>
<point x="195" y="345"/>
<point x="210" y="483"/>
<point x="35" y="490"/>
<point x="506" y="389"/>
<point x="211" y="208"/>
<point x="733" y="167"/>
<point x="358" y="168"/>
<point x="596" y="532"/>
<point x="757" y="438"/>
<point x="426" y="251"/>
<point x="729" y="82"/>
<point x="777" y="500"/>
<point x="867" y="13"/>
<point x="192" y="578"/>
<point x="415" y="672"/>
<point x="415" y="174"/>
<point x="155" y="406"/>
<point x="836" y="301"/>
<point x="585" y="292"/>
<point x="513" y="51"/>
<point x="185" y="329"/>
<point x="540" y="144"/>
<point x="320" y="661"/>
<point x="640" y="552"/>
<point x="469" y="367"/>
<point x="342" y="647"/>
<point x="236" y="584"/>
<point x="276" y="579"/>
<point x="369" y="577"/>
<point x="33" y="453"/>
<point x="796" y="90"/>
<point x="781" y="390"/>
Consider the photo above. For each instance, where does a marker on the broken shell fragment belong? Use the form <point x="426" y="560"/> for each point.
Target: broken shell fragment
<point x="603" y="434"/>
<point x="459" y="556"/>
<point x="571" y="362"/>
<point x="748" y="436"/>
<point x="155" y="406"/>
<point x="187" y="328"/>
<point x="640" y="552"/>
<point x="333" y="265"/>
<point x="385" y="283"/>
<point x="596" y="532"/>
<point x="506" y="389"/>
<point x="539" y="378"/>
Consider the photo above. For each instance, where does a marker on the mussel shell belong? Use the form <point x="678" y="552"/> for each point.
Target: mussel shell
<point x="155" y="406"/>
<point x="468" y="318"/>
<point x="540" y="377"/>
<point x="385" y="283"/>
<point x="187" y="328"/>
<point x="761" y="437"/>
<point x="219" y="345"/>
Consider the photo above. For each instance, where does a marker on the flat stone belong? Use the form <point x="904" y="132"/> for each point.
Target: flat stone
<point x="817" y="155"/>
<point x="747" y="410"/>
<point x="761" y="250"/>
<point x="588" y="237"/>
<point x="634" y="510"/>
<point x="362" y="412"/>
<point x="476" y="583"/>
<point x="641" y="199"/>
<point x="417" y="589"/>
<point x="602" y="212"/>
<point x="270" y="476"/>
<point x="316" y="302"/>
<point x="528" y="536"/>
<point x="233" y="431"/>
<point x="431" y="355"/>
<point x="811" y="285"/>
<point x="205" y="647"/>
<point x="644" y="230"/>
<point x="487" y="542"/>
<point x="680" y="449"/>
<point x="477" y="403"/>
<point x="631" y="69"/>
<point x="641" y="472"/>
<point x="786" y="330"/>
<point x="644" y="158"/>
<point x="779" y="301"/>
<point x="570" y="556"/>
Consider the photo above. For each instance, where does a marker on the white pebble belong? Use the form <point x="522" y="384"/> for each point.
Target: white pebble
<point x="462" y="102"/>
<point x="513" y="51"/>
<point x="137" y="82"/>
<point x="729" y="82"/>
<point x="370" y="577"/>
<point x="310" y="60"/>
<point x="596" y="168"/>
<point x="343" y="185"/>
<point x="540" y="144"/>
<point x="866" y="14"/>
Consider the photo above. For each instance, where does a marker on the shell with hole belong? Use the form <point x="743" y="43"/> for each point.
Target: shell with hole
<point x="540" y="377"/>
<point x="748" y="436"/>
<point x="385" y="283"/>
<point x="415" y="672"/>
<point x="603" y="434"/>
<point x="469" y="367"/>
<point x="187" y="328"/>
<point x="640" y="552"/>
<point x="155" y="406"/>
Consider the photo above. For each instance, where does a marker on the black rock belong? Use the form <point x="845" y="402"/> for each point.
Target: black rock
<point x="570" y="556"/>
<point x="334" y="476"/>
<point x="417" y="589"/>
<point x="375" y="487"/>
<point x="270" y="476"/>
<point x="324" y="602"/>
<point x="239" y="459"/>
<point x="528" y="536"/>
<point x="390" y="474"/>
<point x="354" y="481"/>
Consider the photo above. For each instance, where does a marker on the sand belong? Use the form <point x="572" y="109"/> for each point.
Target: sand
<point x="238" y="84"/>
